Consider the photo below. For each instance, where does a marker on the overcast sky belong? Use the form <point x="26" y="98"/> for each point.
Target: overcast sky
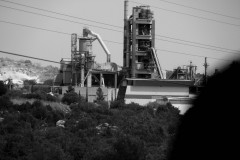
<point x="207" y="22"/>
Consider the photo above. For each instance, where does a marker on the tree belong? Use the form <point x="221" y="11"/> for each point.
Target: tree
<point x="28" y="62"/>
<point x="70" y="97"/>
<point x="70" y="89"/>
<point x="99" y="95"/>
<point x="30" y="82"/>
<point x="3" y="88"/>
<point x="129" y="148"/>
<point x="48" y="82"/>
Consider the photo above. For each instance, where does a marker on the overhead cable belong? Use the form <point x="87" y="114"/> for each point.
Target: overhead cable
<point x="15" y="54"/>
<point x="199" y="9"/>
<point x="116" y="30"/>
<point x="186" y="14"/>
<point x="193" y="55"/>
<point x="60" y="32"/>
<point x="43" y="15"/>
<point x="62" y="14"/>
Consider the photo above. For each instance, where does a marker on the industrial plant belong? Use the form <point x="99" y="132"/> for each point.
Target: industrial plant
<point x="140" y="79"/>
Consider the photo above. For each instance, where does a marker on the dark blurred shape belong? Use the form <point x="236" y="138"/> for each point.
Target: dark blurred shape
<point x="210" y="129"/>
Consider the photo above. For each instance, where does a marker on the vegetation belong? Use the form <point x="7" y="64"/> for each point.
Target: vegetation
<point x="48" y="82"/>
<point x="3" y="88"/>
<point x="90" y="132"/>
<point x="99" y="94"/>
<point x="72" y="97"/>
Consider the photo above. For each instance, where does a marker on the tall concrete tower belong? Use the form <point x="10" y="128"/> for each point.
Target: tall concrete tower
<point x="139" y="57"/>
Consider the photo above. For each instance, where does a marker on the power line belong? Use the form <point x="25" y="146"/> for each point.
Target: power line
<point x="203" y="10"/>
<point x="62" y="14"/>
<point x="104" y="40"/>
<point x="109" y="29"/>
<point x="54" y="31"/>
<point x="197" y="43"/>
<point x="34" y="27"/>
<point x="199" y="17"/>
<point x="194" y="55"/>
<point x="198" y="46"/>
<point x="58" y="18"/>
<point x="20" y="55"/>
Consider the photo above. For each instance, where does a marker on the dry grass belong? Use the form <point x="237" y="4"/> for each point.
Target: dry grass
<point x="55" y="105"/>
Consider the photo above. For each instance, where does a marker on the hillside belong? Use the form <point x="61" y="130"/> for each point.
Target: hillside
<point x="20" y="70"/>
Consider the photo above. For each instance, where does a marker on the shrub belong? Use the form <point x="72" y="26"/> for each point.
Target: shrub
<point x="48" y="82"/>
<point x="5" y="102"/>
<point x="129" y="148"/>
<point x="134" y="106"/>
<point x="39" y="111"/>
<point x="36" y="95"/>
<point x="3" y="88"/>
<point x="41" y="88"/>
<point x="51" y="98"/>
<point x="72" y="97"/>
<point x="30" y="82"/>
<point x="117" y="104"/>
<point x="41" y="95"/>
<point x="99" y="95"/>
<point x="15" y="94"/>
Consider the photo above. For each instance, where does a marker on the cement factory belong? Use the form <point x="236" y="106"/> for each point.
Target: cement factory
<point x="141" y="78"/>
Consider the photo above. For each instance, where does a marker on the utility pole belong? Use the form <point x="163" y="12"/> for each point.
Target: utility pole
<point x="205" y="66"/>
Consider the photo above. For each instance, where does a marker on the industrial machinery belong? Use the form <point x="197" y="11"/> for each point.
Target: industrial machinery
<point x="82" y="65"/>
<point x="139" y="57"/>
<point x="82" y="72"/>
<point x="187" y="72"/>
<point x="144" y="80"/>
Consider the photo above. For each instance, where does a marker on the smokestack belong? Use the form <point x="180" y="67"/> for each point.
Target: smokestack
<point x="126" y="36"/>
<point x="125" y="9"/>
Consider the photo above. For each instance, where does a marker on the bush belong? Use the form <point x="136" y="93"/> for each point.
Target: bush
<point x="117" y="104"/>
<point x="3" y="88"/>
<point x="15" y="94"/>
<point x="72" y="97"/>
<point x="92" y="130"/>
<point x="39" y="111"/>
<point x="5" y="102"/>
<point x="41" y="88"/>
<point x="36" y="95"/>
<point x="30" y="82"/>
<point x="129" y="148"/>
<point x="41" y="95"/>
<point x="99" y="95"/>
<point x="48" y="82"/>
<point x="51" y="98"/>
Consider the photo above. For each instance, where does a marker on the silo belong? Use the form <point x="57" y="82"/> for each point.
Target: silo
<point x="85" y="47"/>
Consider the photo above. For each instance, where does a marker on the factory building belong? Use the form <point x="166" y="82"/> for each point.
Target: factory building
<point x="143" y="79"/>
<point x="83" y="73"/>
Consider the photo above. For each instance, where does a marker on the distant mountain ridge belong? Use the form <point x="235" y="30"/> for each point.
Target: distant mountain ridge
<point x="20" y="70"/>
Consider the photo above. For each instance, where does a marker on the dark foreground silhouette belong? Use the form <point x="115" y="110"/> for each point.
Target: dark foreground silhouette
<point x="210" y="129"/>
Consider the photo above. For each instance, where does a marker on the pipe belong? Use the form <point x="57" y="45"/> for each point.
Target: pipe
<point x="85" y="30"/>
<point x="157" y="63"/>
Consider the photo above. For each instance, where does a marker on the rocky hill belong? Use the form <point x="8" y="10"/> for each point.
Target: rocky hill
<point x="20" y="70"/>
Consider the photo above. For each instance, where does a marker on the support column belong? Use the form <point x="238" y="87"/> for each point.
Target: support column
<point x="115" y="86"/>
<point x="89" y="79"/>
<point x="133" y="67"/>
<point x="101" y="81"/>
